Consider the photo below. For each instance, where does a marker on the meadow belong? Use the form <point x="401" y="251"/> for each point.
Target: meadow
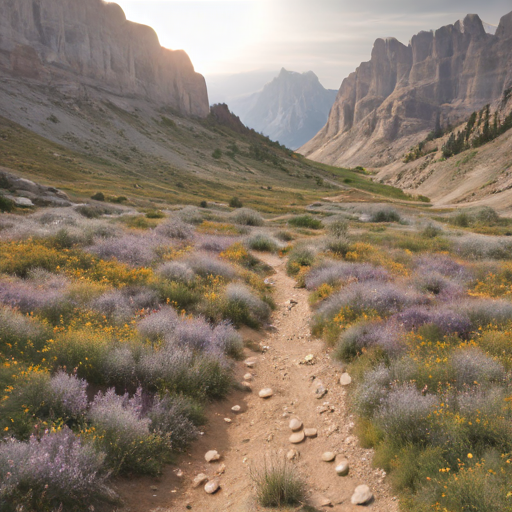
<point x="116" y="330"/>
<point x="418" y="310"/>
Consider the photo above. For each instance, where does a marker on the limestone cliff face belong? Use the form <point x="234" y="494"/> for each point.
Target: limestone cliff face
<point x="392" y="101"/>
<point x="72" y="44"/>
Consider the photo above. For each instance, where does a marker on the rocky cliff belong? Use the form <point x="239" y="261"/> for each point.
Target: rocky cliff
<point x="290" y="109"/>
<point x="76" y="45"/>
<point x="391" y="102"/>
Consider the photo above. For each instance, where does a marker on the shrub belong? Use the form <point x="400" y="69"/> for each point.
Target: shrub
<point x="125" y="436"/>
<point x="56" y="472"/>
<point x="299" y="257"/>
<point x="158" y="325"/>
<point x="234" y="202"/>
<point x="285" y="236"/>
<point x="203" y="204"/>
<point x="431" y="231"/>
<point x="155" y="214"/>
<point x="175" y="228"/>
<point x="305" y="221"/>
<point x="262" y="242"/>
<point x="98" y="196"/>
<point x="247" y="217"/>
<point x="485" y="247"/>
<point x="277" y="484"/>
<point x="444" y="265"/>
<point x="371" y="393"/>
<point x="191" y="215"/>
<point x="119" y="367"/>
<point x="205" y="265"/>
<point x="472" y="366"/>
<point x="385" y="214"/>
<point x="438" y="285"/>
<point x="217" y="153"/>
<point x="215" y="244"/>
<point x="405" y="415"/>
<point x="67" y="396"/>
<point x="6" y="205"/>
<point x="228" y="341"/>
<point x="486" y="312"/>
<point x="176" y="271"/>
<point x="338" y="228"/>
<point x="335" y="273"/>
<point x="243" y="307"/>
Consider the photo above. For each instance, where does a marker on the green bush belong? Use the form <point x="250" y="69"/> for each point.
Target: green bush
<point x="234" y="202"/>
<point x="217" y="154"/>
<point x="155" y="214"/>
<point x="385" y="214"/>
<point x="305" y="221"/>
<point x="6" y="205"/>
<point x="99" y="196"/>
<point x="262" y="242"/>
<point x="299" y="257"/>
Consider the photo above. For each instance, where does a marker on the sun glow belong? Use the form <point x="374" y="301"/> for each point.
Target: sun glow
<point x="214" y="33"/>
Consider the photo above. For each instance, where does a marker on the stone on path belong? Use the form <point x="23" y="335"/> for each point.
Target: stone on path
<point x="250" y="363"/>
<point x="266" y="393"/>
<point x="295" y="424"/>
<point x="362" y="495"/>
<point x="297" y="437"/>
<point x="227" y="420"/>
<point x="318" y="389"/>
<point x="212" y="486"/>
<point x="343" y="468"/>
<point x="248" y="376"/>
<point x="310" y="432"/>
<point x="212" y="456"/>
<point x="328" y="456"/>
<point x="292" y="454"/>
<point x="345" y="379"/>
<point x="246" y="385"/>
<point x="236" y="408"/>
<point x="199" y="480"/>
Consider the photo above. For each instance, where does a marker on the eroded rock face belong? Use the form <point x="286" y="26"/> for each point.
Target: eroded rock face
<point x="397" y="97"/>
<point x="74" y="44"/>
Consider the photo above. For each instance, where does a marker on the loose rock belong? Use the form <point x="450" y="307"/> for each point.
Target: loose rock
<point x="295" y="424"/>
<point x="246" y="385"/>
<point x="292" y="454"/>
<point x="236" y="408"/>
<point x="199" y="480"/>
<point x="362" y="495"/>
<point x="212" y="456"/>
<point x="250" y="363"/>
<point x="310" y="432"/>
<point x="345" y="379"/>
<point x="248" y="376"/>
<point x="227" y="420"/>
<point x="266" y="393"/>
<point x="343" y="468"/>
<point x="297" y="437"/>
<point x="328" y="456"/>
<point x="212" y="486"/>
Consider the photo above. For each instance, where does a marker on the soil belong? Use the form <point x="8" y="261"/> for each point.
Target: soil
<point x="261" y="428"/>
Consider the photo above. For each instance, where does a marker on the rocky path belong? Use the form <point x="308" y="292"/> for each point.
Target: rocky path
<point x="297" y="369"/>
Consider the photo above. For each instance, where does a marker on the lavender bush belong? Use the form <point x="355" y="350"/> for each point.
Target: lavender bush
<point x="405" y="415"/>
<point x="336" y="272"/>
<point x="247" y="217"/>
<point x="215" y="244"/>
<point x="444" y="265"/>
<point x="244" y="307"/>
<point x="158" y="325"/>
<point x="485" y="247"/>
<point x="67" y="396"/>
<point x="486" y="312"/>
<point x="371" y="393"/>
<point x="57" y="472"/>
<point x="227" y="340"/>
<point x="175" y="228"/>
<point x="472" y="366"/>
<point x="176" y="271"/>
<point x="205" y="265"/>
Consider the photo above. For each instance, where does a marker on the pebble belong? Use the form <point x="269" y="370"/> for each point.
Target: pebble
<point x="362" y="495"/>
<point x="345" y="379"/>
<point x="325" y="502"/>
<point x="248" y="376"/>
<point x="328" y="456"/>
<point x="212" y="486"/>
<point x="227" y="420"/>
<point x="179" y="473"/>
<point x="212" y="456"/>
<point x="236" y="408"/>
<point x="266" y="393"/>
<point x="342" y="468"/>
<point x="297" y="437"/>
<point x="319" y="390"/>
<point x="199" y="480"/>
<point x="310" y="432"/>
<point x="221" y="469"/>
<point x="246" y="385"/>
<point x="292" y="454"/>
<point x="250" y="363"/>
<point x="295" y="424"/>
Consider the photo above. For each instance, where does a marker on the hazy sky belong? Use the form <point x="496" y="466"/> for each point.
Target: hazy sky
<point x="329" y="37"/>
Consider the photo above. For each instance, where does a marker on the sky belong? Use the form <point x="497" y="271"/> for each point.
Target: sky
<point x="329" y="37"/>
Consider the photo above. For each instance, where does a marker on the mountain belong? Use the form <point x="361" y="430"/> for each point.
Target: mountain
<point x="290" y="109"/>
<point x="393" y="101"/>
<point x="89" y="48"/>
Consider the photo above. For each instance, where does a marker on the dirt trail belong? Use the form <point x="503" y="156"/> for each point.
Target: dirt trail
<point x="261" y="427"/>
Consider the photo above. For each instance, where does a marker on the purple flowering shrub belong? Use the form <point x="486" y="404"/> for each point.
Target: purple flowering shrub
<point x="177" y="271"/>
<point x="175" y="228"/>
<point x="124" y="434"/>
<point x="215" y="244"/>
<point x="338" y="272"/>
<point x="56" y="472"/>
<point x="243" y="306"/>
<point x="205" y="265"/>
<point x="473" y="367"/>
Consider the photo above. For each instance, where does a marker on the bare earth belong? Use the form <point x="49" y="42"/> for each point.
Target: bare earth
<point x="261" y="428"/>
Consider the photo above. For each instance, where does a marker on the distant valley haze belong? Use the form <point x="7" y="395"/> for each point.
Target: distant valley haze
<point x="240" y="45"/>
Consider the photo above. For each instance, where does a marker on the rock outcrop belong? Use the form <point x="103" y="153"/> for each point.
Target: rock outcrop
<point x="391" y="102"/>
<point x="290" y="109"/>
<point x="75" y="45"/>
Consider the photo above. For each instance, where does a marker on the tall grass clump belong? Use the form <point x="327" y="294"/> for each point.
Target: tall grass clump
<point x="385" y="214"/>
<point x="243" y="307"/>
<point x="305" y="221"/>
<point x="56" y="472"/>
<point x="247" y="217"/>
<point x="175" y="228"/>
<point x="299" y="258"/>
<point x="262" y="242"/>
<point x="277" y="483"/>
